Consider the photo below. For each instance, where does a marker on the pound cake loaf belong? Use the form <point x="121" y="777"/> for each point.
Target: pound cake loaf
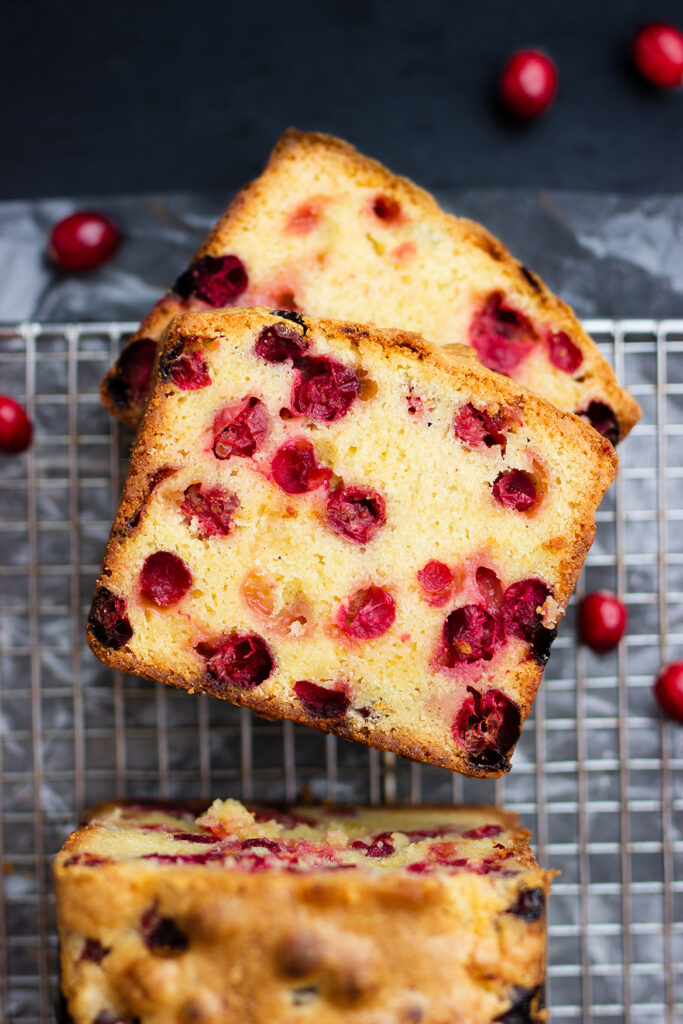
<point x="335" y="915"/>
<point x="348" y="528"/>
<point x="329" y="232"/>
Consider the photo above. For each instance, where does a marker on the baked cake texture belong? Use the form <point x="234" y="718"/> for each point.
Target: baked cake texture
<point x="348" y="528"/>
<point x="330" y="232"/>
<point x="335" y="915"/>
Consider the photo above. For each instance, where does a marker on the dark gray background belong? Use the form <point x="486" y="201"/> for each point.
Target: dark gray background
<point x="137" y="96"/>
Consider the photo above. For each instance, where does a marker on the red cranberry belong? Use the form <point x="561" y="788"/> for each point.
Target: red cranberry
<point x="162" y="935"/>
<point x="380" y="846"/>
<point x="563" y="352"/>
<point x="165" y="578"/>
<point x="387" y="209"/>
<point x="325" y="390"/>
<point x="212" y="510"/>
<point x="528" y="83"/>
<point x="502" y="337"/>
<point x="668" y="690"/>
<point x="129" y="383"/>
<point x="658" y="55"/>
<point x="15" y="427"/>
<point x="490" y="587"/>
<point x="83" y="241"/>
<point x="514" y="488"/>
<point x="471" y="634"/>
<point x="187" y="370"/>
<point x="487" y="727"/>
<point x="368" y="614"/>
<point x="277" y="343"/>
<point x="530" y="905"/>
<point x="602" y="419"/>
<point x="483" y="832"/>
<point x="217" y="280"/>
<point x="436" y="580"/>
<point x="356" y="513"/>
<point x="107" y="620"/>
<point x="321" y="702"/>
<point x="475" y="428"/>
<point x="93" y="951"/>
<point x="295" y="469"/>
<point x="306" y="216"/>
<point x="243" y="661"/>
<point x="521" y="603"/>
<point x="602" y="621"/>
<point x="241" y="429"/>
<point x="153" y="482"/>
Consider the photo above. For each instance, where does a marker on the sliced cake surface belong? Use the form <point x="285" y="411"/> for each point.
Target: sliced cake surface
<point x="350" y="529"/>
<point x="343" y="914"/>
<point x="330" y="232"/>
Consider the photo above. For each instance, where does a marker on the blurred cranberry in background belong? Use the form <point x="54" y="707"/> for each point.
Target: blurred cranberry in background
<point x="83" y="241"/>
<point x="15" y="426"/>
<point x="602" y="621"/>
<point x="658" y="55"/>
<point x="528" y="83"/>
<point x="668" y="690"/>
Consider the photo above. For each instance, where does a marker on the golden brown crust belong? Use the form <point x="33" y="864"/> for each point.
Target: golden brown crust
<point x="295" y="145"/>
<point x="585" y="445"/>
<point x="359" y="946"/>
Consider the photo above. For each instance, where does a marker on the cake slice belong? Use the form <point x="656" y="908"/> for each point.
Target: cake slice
<point x="327" y="231"/>
<point x="334" y="915"/>
<point x="348" y="528"/>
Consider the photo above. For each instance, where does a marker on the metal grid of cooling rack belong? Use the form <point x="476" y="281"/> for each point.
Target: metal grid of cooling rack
<point x="597" y="776"/>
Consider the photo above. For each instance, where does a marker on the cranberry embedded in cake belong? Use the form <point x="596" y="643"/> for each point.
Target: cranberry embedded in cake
<point x="324" y="550"/>
<point x="602" y="418"/>
<point x="502" y="336"/>
<point x="471" y="633"/>
<point x="386" y="209"/>
<point x="241" y="428"/>
<point x="129" y="383"/>
<point x="436" y="581"/>
<point x="209" y="509"/>
<point x="356" y="513"/>
<point x="367" y="614"/>
<point x="324" y="389"/>
<point x="164" y="578"/>
<point x="564" y="353"/>
<point x="321" y="701"/>
<point x="184" y="368"/>
<point x="279" y="342"/>
<point x="243" y="661"/>
<point x="107" y="620"/>
<point x="295" y="469"/>
<point x="487" y="727"/>
<point x="477" y="429"/>
<point x="217" y="280"/>
<point x="515" y="489"/>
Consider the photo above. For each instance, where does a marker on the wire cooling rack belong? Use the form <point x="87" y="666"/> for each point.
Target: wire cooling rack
<point x="597" y="776"/>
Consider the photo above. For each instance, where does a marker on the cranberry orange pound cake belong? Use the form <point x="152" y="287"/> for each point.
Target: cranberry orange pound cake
<point x="348" y="528"/>
<point x="331" y="233"/>
<point x="353" y="915"/>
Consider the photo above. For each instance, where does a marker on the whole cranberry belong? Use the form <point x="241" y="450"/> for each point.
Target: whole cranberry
<point x="669" y="690"/>
<point x="528" y="83"/>
<point x="15" y="427"/>
<point x="83" y="241"/>
<point x="602" y="621"/>
<point x="658" y="54"/>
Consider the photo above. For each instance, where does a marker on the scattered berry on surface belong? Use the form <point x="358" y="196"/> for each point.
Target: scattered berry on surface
<point x="528" y="83"/>
<point x="83" y="240"/>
